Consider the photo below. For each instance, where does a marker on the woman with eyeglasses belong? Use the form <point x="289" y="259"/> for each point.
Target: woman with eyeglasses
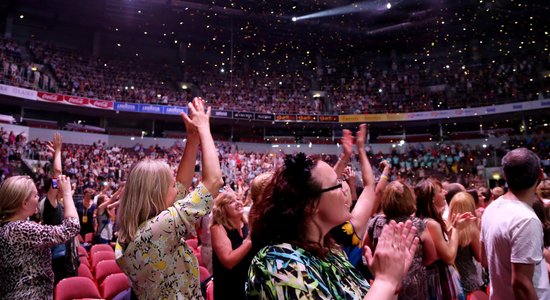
<point x="298" y="259"/>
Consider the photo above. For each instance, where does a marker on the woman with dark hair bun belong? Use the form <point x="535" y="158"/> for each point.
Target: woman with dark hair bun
<point x="298" y="259"/>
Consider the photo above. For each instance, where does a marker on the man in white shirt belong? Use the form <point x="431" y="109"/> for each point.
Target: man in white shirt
<point x="512" y="236"/>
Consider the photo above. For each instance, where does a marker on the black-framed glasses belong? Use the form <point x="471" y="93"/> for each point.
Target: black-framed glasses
<point x="334" y="187"/>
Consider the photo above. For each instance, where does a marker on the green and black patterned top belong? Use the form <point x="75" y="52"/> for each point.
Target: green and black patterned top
<point x="285" y="271"/>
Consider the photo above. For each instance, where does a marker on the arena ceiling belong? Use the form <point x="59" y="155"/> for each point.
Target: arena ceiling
<point x="343" y="24"/>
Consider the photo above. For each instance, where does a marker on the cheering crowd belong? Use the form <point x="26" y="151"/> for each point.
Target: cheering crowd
<point x="392" y="87"/>
<point x="282" y="227"/>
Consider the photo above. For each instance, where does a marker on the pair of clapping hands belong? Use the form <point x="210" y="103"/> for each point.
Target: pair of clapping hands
<point x="198" y="118"/>
<point x="395" y="250"/>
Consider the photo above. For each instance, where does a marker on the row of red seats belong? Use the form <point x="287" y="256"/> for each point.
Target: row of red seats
<point x="111" y="281"/>
<point x="203" y="271"/>
<point x="99" y="276"/>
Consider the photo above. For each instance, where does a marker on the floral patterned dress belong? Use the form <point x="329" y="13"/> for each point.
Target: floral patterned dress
<point x="285" y="271"/>
<point x="159" y="264"/>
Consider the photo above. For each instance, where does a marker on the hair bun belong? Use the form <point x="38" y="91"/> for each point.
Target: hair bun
<point x="298" y="168"/>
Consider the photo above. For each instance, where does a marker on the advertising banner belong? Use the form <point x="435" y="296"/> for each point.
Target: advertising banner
<point x="243" y="115"/>
<point x="74" y="100"/>
<point x="264" y="117"/>
<point x="174" y="110"/>
<point x="216" y="113"/>
<point x="285" y="117"/>
<point x="17" y="92"/>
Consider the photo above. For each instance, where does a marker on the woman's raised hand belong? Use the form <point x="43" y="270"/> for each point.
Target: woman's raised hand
<point x="361" y="137"/>
<point x="64" y="184"/>
<point x="198" y="119"/>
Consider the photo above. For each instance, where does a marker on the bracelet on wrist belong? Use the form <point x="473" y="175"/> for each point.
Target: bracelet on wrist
<point x="384" y="177"/>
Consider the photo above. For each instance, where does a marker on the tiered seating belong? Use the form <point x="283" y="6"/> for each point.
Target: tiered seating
<point x="113" y="285"/>
<point x="76" y="288"/>
<point x="100" y="256"/>
<point x="107" y="278"/>
<point x="105" y="268"/>
<point x="84" y="271"/>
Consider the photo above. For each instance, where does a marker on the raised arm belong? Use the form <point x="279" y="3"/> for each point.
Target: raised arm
<point x="65" y="187"/>
<point x="221" y="244"/>
<point x="446" y="250"/>
<point x="55" y="147"/>
<point x="350" y="177"/>
<point x="366" y="204"/>
<point x="211" y="171"/>
<point x="115" y="198"/>
<point x="384" y="178"/>
<point x="45" y="236"/>
<point x="57" y="143"/>
<point x="186" y="168"/>
<point x="347" y="145"/>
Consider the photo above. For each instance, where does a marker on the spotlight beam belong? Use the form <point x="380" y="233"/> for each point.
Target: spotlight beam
<point x="357" y="7"/>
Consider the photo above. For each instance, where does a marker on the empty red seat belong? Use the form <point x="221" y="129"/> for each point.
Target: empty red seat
<point x="89" y="237"/>
<point x="478" y="295"/>
<point x="100" y="256"/>
<point x="100" y="247"/>
<point x="193" y="243"/>
<point x="105" y="268"/>
<point x="84" y="271"/>
<point x="203" y="273"/>
<point x="199" y="259"/>
<point x="113" y="285"/>
<point x="84" y="261"/>
<point x="76" y="288"/>
<point x="82" y="252"/>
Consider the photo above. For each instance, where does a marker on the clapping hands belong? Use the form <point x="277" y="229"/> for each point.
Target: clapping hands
<point x="394" y="253"/>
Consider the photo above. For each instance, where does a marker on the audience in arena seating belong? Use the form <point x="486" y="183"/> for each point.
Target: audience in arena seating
<point x="411" y="86"/>
<point x="285" y="226"/>
<point x="101" y="170"/>
<point x="400" y="86"/>
<point x="97" y="164"/>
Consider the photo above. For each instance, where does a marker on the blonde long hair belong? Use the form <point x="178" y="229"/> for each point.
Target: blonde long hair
<point x="463" y="202"/>
<point x="219" y="211"/>
<point x="13" y="193"/>
<point x="144" y="196"/>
